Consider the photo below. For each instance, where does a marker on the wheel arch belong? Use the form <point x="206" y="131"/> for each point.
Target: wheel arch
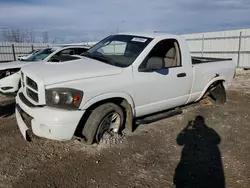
<point x="122" y="99"/>
<point x="108" y="97"/>
<point x="216" y="80"/>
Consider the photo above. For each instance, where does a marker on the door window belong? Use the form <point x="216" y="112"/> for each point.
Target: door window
<point x="168" y="50"/>
<point x="69" y="51"/>
<point x="81" y="50"/>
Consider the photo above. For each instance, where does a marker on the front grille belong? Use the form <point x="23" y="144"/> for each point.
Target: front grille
<point x="25" y="101"/>
<point x="30" y="89"/>
<point x="32" y="95"/>
<point x="31" y="83"/>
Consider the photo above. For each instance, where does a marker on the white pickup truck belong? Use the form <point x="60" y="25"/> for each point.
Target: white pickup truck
<point x="10" y="78"/>
<point x="122" y="79"/>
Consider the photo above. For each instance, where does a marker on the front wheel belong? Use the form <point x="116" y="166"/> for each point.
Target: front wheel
<point x="106" y="118"/>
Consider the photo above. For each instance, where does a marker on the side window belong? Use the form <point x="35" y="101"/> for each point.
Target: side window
<point x="168" y="50"/>
<point x="42" y="55"/>
<point x="81" y="50"/>
<point x="69" y="51"/>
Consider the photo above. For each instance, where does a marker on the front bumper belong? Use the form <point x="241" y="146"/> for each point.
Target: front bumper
<point x="46" y="122"/>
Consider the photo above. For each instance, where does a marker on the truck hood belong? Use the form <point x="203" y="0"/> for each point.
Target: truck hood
<point x="14" y="64"/>
<point x="52" y="73"/>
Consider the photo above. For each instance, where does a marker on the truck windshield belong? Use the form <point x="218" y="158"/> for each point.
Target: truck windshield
<point x="40" y="55"/>
<point x="118" y="50"/>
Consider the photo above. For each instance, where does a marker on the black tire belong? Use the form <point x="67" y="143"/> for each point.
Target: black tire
<point x="92" y="124"/>
<point x="219" y="95"/>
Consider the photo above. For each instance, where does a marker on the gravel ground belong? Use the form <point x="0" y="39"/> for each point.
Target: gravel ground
<point x="212" y="150"/>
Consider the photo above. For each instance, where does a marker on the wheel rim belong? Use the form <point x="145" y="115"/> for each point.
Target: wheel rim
<point x="110" y="124"/>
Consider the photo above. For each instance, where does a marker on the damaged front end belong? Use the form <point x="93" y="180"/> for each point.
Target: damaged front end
<point x="8" y="72"/>
<point x="10" y="81"/>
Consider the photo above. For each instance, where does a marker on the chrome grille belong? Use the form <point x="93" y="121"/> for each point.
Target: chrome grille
<point x="33" y="95"/>
<point x="31" y="83"/>
<point x="30" y="88"/>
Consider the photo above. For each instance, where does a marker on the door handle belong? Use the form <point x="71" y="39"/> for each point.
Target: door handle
<point x="183" y="74"/>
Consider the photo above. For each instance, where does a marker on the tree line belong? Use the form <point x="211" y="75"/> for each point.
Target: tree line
<point x="27" y="36"/>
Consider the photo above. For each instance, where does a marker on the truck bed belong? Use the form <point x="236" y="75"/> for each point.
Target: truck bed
<point x="198" y="60"/>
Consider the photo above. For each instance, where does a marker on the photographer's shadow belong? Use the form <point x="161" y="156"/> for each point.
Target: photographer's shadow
<point x="200" y="165"/>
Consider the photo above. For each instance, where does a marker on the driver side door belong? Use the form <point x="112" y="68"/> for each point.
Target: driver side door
<point x="165" y="88"/>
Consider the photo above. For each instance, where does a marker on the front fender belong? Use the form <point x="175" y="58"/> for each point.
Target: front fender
<point x="109" y="96"/>
<point x="220" y="78"/>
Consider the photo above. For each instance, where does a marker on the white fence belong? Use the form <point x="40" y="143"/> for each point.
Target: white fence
<point x="233" y="44"/>
<point x="10" y="51"/>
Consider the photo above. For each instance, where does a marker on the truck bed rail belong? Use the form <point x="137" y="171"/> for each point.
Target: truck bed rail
<point x="198" y="60"/>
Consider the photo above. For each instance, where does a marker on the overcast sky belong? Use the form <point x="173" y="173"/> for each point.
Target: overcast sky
<point x="76" y="20"/>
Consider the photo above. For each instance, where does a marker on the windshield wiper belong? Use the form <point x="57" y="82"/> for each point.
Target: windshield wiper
<point x="105" y="59"/>
<point x="100" y="57"/>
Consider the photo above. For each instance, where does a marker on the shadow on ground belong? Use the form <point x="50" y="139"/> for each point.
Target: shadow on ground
<point x="7" y="109"/>
<point x="200" y="165"/>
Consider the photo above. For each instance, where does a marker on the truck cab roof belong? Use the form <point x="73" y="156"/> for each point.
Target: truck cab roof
<point x="153" y="35"/>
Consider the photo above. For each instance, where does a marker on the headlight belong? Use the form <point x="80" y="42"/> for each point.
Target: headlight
<point x="65" y="98"/>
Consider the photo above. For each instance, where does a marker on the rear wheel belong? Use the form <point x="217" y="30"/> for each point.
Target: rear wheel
<point x="106" y="118"/>
<point x="218" y="94"/>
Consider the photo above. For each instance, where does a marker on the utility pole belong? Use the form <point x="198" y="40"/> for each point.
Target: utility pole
<point x="117" y="29"/>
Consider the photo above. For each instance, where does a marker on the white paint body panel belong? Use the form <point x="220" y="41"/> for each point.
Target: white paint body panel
<point x="204" y="76"/>
<point x="154" y="91"/>
<point x="50" y="123"/>
<point x="146" y="92"/>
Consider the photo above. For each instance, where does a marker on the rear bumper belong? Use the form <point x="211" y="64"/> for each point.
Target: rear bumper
<point x="46" y="122"/>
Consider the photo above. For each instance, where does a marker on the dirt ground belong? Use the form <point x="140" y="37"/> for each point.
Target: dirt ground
<point x="213" y="151"/>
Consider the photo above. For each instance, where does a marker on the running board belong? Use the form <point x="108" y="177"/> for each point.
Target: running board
<point x="157" y="117"/>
